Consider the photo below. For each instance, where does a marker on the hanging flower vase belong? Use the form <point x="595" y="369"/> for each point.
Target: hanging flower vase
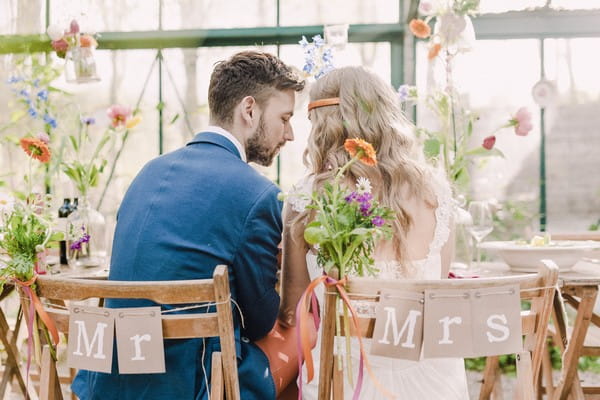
<point x="86" y="237"/>
<point x="80" y="65"/>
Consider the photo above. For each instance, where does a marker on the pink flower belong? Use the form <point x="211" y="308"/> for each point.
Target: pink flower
<point x="74" y="28"/>
<point x="60" y="46"/>
<point x="118" y="115"/>
<point x="43" y="137"/>
<point x="522" y="122"/>
<point x="489" y="142"/>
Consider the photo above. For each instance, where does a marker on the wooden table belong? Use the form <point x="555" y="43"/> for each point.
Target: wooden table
<point x="579" y="287"/>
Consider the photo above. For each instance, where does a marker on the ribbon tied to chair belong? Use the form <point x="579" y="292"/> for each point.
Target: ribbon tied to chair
<point x="304" y="349"/>
<point x="35" y="305"/>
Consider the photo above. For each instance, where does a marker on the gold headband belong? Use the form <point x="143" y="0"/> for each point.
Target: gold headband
<point x="323" y="102"/>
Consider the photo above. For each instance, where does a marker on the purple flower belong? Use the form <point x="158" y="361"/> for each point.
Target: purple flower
<point x="364" y="209"/>
<point x="76" y="245"/>
<point x="378" y="221"/>
<point x="88" y="120"/>
<point x="351" y="197"/>
<point x="403" y="92"/>
<point x="365" y="198"/>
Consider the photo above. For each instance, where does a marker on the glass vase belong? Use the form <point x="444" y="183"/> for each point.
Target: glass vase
<point x="86" y="237"/>
<point x="80" y="65"/>
<point x="462" y="238"/>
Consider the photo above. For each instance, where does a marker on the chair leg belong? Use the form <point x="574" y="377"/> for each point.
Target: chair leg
<point x="548" y="382"/>
<point x="490" y="375"/>
<point x="49" y="383"/>
<point x="338" y="379"/>
<point x="524" y="389"/>
<point x="216" y="377"/>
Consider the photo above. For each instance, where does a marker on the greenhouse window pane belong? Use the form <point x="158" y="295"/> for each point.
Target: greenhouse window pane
<point x="494" y="79"/>
<point x="106" y="15"/>
<point x="375" y="56"/>
<point x="214" y="14"/>
<point x="572" y="122"/>
<point x="22" y="17"/>
<point x="318" y="12"/>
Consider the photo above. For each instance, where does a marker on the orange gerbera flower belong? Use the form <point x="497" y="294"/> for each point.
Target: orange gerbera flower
<point x="35" y="148"/>
<point x="434" y="51"/>
<point x="365" y="151"/>
<point x="419" y="28"/>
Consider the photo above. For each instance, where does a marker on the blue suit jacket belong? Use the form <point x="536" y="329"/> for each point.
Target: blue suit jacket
<point x="185" y="213"/>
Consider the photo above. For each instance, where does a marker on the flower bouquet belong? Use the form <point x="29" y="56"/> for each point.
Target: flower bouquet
<point x="86" y="226"/>
<point x="77" y="49"/>
<point x="25" y="234"/>
<point x="346" y="226"/>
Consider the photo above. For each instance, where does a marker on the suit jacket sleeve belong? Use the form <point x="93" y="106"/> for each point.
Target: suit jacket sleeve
<point x="256" y="265"/>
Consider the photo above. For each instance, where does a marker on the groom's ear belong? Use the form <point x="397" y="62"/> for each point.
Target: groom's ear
<point x="248" y="107"/>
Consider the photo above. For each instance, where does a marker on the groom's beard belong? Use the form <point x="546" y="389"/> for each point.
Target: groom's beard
<point x="256" y="148"/>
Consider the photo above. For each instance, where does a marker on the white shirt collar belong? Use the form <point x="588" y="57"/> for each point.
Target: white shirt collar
<point x="230" y="137"/>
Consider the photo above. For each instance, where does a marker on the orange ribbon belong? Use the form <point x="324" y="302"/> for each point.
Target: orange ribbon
<point x="303" y="313"/>
<point x="39" y="307"/>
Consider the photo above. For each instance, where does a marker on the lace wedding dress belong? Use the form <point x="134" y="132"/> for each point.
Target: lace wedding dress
<point x="432" y="378"/>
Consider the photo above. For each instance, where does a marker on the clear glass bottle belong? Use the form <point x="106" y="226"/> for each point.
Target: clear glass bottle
<point x="86" y="237"/>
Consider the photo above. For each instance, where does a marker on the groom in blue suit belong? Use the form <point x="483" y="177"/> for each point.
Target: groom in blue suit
<point x="203" y="205"/>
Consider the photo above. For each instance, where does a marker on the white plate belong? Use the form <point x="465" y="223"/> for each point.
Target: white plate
<point x="526" y="258"/>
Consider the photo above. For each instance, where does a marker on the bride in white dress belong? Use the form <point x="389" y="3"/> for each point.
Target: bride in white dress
<point x="352" y="102"/>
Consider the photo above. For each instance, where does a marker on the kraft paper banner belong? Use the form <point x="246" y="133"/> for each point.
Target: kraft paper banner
<point x="398" y="331"/>
<point x="140" y="347"/>
<point x="497" y="320"/>
<point x="91" y="333"/>
<point x="447" y="328"/>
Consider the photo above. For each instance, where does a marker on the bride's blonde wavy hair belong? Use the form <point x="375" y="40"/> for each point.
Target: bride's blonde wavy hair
<point x="369" y="109"/>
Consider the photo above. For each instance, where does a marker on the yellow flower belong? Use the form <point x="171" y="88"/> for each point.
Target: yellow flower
<point x="132" y="122"/>
<point x="364" y="149"/>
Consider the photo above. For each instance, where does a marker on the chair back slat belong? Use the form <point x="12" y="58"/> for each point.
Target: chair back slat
<point x="162" y="292"/>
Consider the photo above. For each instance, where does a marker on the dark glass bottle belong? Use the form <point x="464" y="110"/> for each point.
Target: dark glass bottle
<point x="63" y="212"/>
<point x="75" y="204"/>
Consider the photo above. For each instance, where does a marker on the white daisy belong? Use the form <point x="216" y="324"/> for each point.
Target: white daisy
<point x="363" y="185"/>
<point x="7" y="203"/>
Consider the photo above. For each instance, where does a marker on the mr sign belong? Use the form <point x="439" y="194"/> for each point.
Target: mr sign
<point x="91" y="333"/>
<point x="140" y="347"/>
<point x="452" y="323"/>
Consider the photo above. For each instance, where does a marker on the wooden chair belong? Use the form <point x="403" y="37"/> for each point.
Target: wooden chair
<point x="224" y="379"/>
<point x="534" y="322"/>
<point x="561" y="333"/>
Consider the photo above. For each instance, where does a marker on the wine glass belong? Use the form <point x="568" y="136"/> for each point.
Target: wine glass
<point x="480" y="226"/>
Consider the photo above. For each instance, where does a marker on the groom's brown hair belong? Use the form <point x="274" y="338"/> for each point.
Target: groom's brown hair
<point x="248" y="73"/>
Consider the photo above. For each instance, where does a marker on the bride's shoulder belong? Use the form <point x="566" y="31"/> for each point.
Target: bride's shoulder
<point x="298" y="197"/>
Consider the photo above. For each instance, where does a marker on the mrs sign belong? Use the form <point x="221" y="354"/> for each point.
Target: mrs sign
<point x="448" y="323"/>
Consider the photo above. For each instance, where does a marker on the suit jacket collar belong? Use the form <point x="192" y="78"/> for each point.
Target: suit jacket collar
<point x="215" y="138"/>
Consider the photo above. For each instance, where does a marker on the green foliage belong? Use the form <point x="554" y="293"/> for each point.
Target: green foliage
<point x="85" y="172"/>
<point x="512" y="218"/>
<point x="24" y="232"/>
